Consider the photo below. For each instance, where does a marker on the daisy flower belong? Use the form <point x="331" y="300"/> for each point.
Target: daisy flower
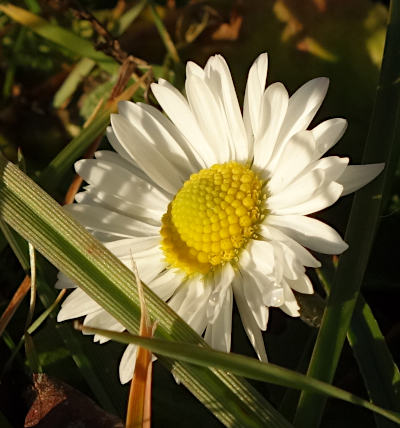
<point x="213" y="203"/>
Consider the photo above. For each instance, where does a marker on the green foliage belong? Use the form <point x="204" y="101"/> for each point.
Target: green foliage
<point x="54" y="71"/>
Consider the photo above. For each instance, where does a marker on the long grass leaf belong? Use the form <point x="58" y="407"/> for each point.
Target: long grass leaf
<point x="243" y="366"/>
<point x="381" y="374"/>
<point x="381" y="145"/>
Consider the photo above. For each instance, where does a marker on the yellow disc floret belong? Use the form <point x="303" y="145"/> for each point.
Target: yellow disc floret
<point x="212" y="217"/>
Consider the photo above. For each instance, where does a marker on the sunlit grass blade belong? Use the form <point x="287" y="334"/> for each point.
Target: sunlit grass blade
<point x="382" y="145"/>
<point x="81" y="69"/>
<point x="39" y="219"/>
<point x="65" y="38"/>
<point x="380" y="373"/>
<point x="243" y="366"/>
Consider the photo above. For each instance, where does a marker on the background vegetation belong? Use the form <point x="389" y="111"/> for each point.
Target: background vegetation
<point x="63" y="63"/>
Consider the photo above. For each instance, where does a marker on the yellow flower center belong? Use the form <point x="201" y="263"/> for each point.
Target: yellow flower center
<point x="212" y="217"/>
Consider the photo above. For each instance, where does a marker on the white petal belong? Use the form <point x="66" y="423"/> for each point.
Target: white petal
<point x="290" y="306"/>
<point x="298" y="192"/>
<point x="113" y="157"/>
<point x="92" y="196"/>
<point x="333" y="166"/>
<point x="119" y="148"/>
<point x="149" y="265"/>
<point x="154" y="132"/>
<point x="218" y="334"/>
<point x="323" y="198"/>
<point x="177" y="108"/>
<point x="303" y="105"/>
<point x="103" y="320"/>
<point x="297" y="155"/>
<point x="219" y="77"/>
<point x="271" y="292"/>
<point x="254" y="299"/>
<point x="97" y="218"/>
<point x="127" y="363"/>
<point x="149" y="262"/>
<point x="194" y="158"/>
<point x="64" y="282"/>
<point x="249" y="323"/>
<point x="209" y="117"/>
<point x="276" y="234"/>
<point x="274" y="297"/>
<point x="357" y="176"/>
<point x="192" y="69"/>
<point x="275" y="102"/>
<point x="132" y="246"/>
<point x="292" y="268"/>
<point x="166" y="283"/>
<point x="148" y="157"/>
<point x="327" y="134"/>
<point x="112" y="178"/>
<point x="77" y="304"/>
<point x="302" y="285"/>
<point x="258" y="255"/>
<point x="222" y="282"/>
<point x="310" y="232"/>
<point x="254" y="91"/>
<point x="190" y="302"/>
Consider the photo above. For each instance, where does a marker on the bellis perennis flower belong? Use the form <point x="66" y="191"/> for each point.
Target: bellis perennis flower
<point x="213" y="203"/>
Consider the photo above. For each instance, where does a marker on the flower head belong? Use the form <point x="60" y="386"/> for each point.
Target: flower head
<point x="213" y="203"/>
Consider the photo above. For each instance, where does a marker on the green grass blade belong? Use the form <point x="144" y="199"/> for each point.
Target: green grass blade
<point x="39" y="219"/>
<point x="81" y="69"/>
<point x="380" y="373"/>
<point x="382" y="145"/>
<point x="130" y="15"/>
<point x="62" y="37"/>
<point x="242" y="366"/>
<point x="165" y="37"/>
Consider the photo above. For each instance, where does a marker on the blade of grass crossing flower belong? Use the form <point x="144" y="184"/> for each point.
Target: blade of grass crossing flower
<point x="139" y="403"/>
<point x="65" y="38"/>
<point x="382" y="145"/>
<point x="242" y="365"/>
<point x="29" y="210"/>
